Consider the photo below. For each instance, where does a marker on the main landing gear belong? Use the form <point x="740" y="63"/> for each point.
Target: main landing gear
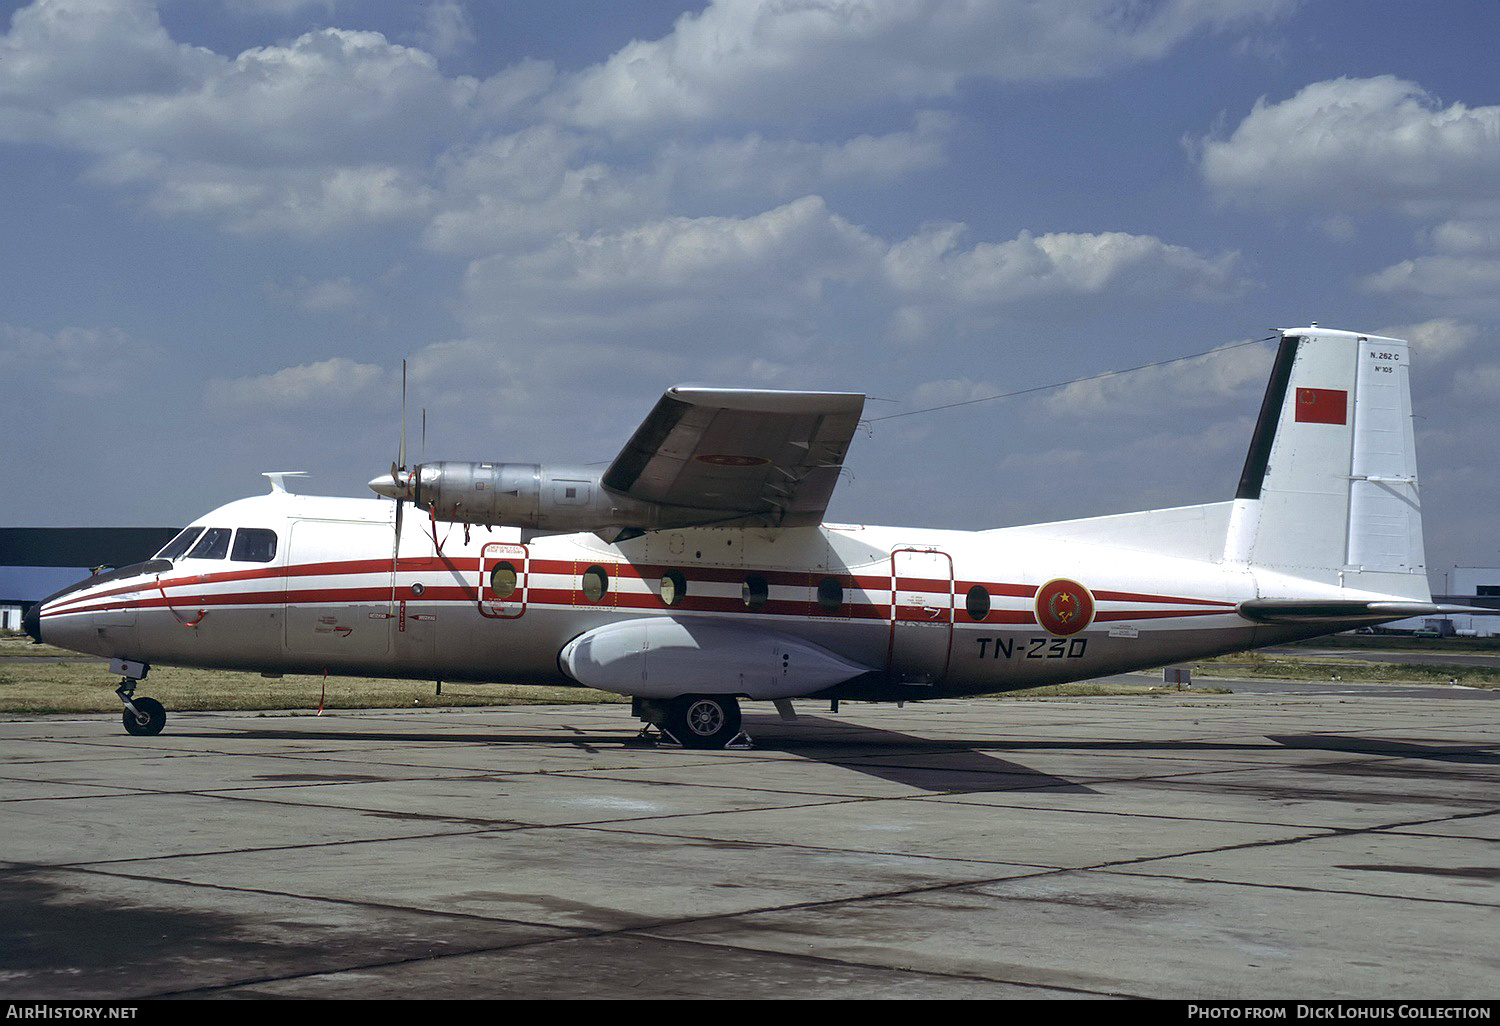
<point x="143" y="717"/>
<point x="694" y="721"/>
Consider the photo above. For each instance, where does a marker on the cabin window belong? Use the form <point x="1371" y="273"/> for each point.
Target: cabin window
<point x="180" y="544"/>
<point x="755" y="591"/>
<point x="502" y="581"/>
<point x="977" y="604"/>
<point x="254" y="545"/>
<point x="830" y="595"/>
<point x="673" y="587"/>
<point x="213" y="545"/>
<point x="595" y="583"/>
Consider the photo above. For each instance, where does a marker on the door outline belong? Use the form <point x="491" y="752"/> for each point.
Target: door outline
<point x="519" y="557"/>
<point x="921" y="641"/>
<point x="344" y="616"/>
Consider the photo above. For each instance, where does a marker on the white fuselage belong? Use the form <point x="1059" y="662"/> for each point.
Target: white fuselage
<point x="920" y="612"/>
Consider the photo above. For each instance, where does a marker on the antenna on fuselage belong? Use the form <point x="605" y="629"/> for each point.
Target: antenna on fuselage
<point x="278" y="479"/>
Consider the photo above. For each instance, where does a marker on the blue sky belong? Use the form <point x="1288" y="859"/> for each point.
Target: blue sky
<point x="226" y="224"/>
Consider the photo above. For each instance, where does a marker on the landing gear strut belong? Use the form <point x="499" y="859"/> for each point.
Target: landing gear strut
<point x="143" y="717"/>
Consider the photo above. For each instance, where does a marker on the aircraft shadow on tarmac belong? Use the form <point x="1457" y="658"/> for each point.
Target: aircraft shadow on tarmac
<point x="938" y="765"/>
<point x="1484" y="755"/>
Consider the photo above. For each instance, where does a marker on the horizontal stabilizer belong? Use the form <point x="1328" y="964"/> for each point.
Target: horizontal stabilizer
<point x="1344" y="611"/>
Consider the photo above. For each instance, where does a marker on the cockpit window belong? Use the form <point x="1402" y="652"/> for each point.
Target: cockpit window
<point x="178" y="545"/>
<point x="213" y="545"/>
<point x="254" y="545"/>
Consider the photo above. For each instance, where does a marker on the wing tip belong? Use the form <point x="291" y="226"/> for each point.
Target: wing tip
<point x="767" y="400"/>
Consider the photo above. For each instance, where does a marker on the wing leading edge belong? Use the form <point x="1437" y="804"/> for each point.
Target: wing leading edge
<point x="740" y="455"/>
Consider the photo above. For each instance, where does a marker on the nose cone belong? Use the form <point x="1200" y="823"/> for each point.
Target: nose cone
<point x="392" y="486"/>
<point x="31" y="623"/>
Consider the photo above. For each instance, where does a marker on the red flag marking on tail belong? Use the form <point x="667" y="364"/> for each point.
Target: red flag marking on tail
<point x="1322" y="406"/>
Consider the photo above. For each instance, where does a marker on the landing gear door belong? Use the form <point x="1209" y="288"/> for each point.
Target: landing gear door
<point x="921" y="615"/>
<point x="503" y="572"/>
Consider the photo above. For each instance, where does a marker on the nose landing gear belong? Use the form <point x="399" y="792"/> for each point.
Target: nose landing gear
<point x="143" y="717"/>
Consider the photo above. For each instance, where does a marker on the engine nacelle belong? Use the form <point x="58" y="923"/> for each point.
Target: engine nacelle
<point x="533" y="496"/>
<point x="526" y="495"/>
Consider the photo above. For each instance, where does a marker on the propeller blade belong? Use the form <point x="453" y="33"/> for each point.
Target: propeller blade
<point x="401" y="456"/>
<point x="396" y="544"/>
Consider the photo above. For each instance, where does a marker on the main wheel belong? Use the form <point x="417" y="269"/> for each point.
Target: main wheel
<point x="704" y="721"/>
<point x="150" y="721"/>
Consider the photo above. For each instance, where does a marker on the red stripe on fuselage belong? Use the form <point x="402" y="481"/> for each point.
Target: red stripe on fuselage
<point x="173" y="592"/>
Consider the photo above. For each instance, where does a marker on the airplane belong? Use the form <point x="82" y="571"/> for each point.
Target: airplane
<point x="696" y="570"/>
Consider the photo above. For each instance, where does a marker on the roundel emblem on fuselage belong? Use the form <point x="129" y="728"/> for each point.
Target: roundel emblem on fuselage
<point x="1064" y="607"/>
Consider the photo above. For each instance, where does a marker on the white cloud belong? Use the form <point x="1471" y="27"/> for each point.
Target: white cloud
<point x="334" y="382"/>
<point x="446" y="27"/>
<point x="330" y="295"/>
<point x="62" y="53"/>
<point x="1480" y="385"/>
<point x="1466" y="237"/>
<point x="524" y="187"/>
<point x="1228" y="375"/>
<point x="72" y="360"/>
<point x="338" y="127"/>
<point x="106" y="78"/>
<point x="783" y="255"/>
<point x="293" y="201"/>
<point x="334" y="127"/>
<point x="798" y="280"/>
<point x="755" y="165"/>
<point x="1439" y="339"/>
<point x="747" y="60"/>
<point x="929" y="264"/>
<point x="1468" y="283"/>
<point x="1357" y="144"/>
<point x="1360" y="147"/>
<point x="280" y="8"/>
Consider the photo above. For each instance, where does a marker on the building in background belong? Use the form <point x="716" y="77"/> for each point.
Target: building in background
<point x="37" y="561"/>
<point x="1477" y="586"/>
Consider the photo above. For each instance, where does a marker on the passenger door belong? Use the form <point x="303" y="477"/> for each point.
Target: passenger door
<point x="921" y="615"/>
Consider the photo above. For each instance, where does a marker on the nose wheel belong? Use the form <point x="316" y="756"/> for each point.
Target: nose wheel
<point x="143" y="717"/>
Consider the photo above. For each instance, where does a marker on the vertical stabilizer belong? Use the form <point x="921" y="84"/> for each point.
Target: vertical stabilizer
<point x="1329" y="489"/>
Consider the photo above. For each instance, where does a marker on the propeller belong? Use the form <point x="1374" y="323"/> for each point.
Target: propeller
<point x="399" y="483"/>
<point x="400" y="472"/>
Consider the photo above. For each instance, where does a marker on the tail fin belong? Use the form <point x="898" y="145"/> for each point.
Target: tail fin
<point x="1329" y="489"/>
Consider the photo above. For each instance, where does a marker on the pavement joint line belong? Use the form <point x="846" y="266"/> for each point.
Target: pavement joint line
<point x="571" y="934"/>
<point x="802" y="957"/>
<point x="1305" y="889"/>
<point x="1108" y="867"/>
<point x="231" y="794"/>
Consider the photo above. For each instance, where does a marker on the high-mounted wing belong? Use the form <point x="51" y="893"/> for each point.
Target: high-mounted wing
<point x="757" y="456"/>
